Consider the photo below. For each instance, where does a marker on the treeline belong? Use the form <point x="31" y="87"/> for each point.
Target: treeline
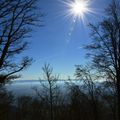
<point x="75" y="105"/>
<point x="83" y="100"/>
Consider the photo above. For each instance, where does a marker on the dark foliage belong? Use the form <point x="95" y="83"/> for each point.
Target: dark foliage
<point x="105" y="48"/>
<point x="79" y="106"/>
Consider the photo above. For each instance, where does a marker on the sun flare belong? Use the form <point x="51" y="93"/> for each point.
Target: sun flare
<point x="79" y="7"/>
<point x="76" y="11"/>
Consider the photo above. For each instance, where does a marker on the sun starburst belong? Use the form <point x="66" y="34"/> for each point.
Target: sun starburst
<point x="78" y="8"/>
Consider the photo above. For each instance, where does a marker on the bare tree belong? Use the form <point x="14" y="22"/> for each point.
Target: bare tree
<point x="88" y="77"/>
<point x="49" y="93"/>
<point x="52" y="79"/>
<point x="17" y="18"/>
<point x="105" y="48"/>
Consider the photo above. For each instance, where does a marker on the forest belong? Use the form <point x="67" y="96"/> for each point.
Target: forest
<point x="94" y="94"/>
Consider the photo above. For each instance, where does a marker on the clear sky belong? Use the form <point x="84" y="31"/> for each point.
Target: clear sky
<point x="56" y="43"/>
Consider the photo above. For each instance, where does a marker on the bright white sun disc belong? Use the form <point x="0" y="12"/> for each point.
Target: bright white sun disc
<point x="79" y="7"/>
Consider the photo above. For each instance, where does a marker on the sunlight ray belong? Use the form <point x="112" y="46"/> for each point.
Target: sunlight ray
<point x="77" y="9"/>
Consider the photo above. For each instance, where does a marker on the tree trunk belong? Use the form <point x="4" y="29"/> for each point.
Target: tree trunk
<point x="51" y="104"/>
<point x="4" y="52"/>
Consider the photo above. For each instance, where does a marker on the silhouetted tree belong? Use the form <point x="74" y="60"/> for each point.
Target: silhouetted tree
<point x="50" y="92"/>
<point x="108" y="97"/>
<point x="29" y="108"/>
<point x="52" y="79"/>
<point x="23" y="108"/>
<point x="17" y="18"/>
<point x="79" y="104"/>
<point x="88" y="77"/>
<point x="106" y="46"/>
<point x="6" y="101"/>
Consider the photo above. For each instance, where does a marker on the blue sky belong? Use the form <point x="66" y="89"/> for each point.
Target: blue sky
<point x="56" y="44"/>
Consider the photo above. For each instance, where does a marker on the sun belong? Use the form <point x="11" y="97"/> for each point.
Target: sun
<point x="79" y="7"/>
<point x="76" y="11"/>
